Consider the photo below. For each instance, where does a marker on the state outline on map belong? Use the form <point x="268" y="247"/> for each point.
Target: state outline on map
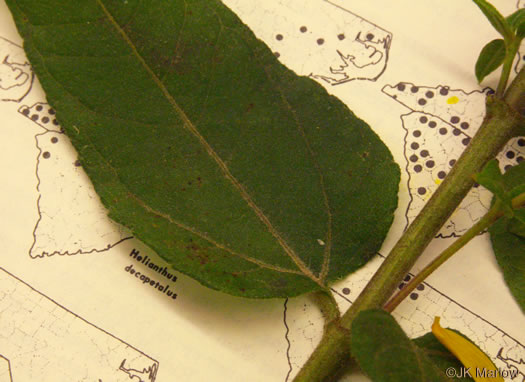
<point x="343" y="48"/>
<point x="82" y="226"/>
<point x="439" y="124"/>
<point x="39" y="336"/>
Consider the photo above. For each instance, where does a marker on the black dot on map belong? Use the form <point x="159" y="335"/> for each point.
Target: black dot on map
<point x="413" y="158"/>
<point x="401" y="286"/>
<point x="490" y="91"/>
<point x="418" y="168"/>
<point x="400" y="87"/>
<point x="422" y="101"/>
<point x="464" y="125"/>
<point x="277" y="54"/>
<point x="46" y="154"/>
<point x="507" y="167"/>
<point x="51" y="111"/>
<point x="341" y="36"/>
<point x="443" y="91"/>
<point x="25" y="111"/>
<point x="77" y="163"/>
<point x="429" y="94"/>
<point x="414" y="145"/>
<point x="432" y="124"/>
<point x="320" y="41"/>
<point x="456" y="132"/>
<point x="39" y="108"/>
<point x="369" y="36"/>
<point x="303" y="29"/>
<point x="519" y="159"/>
<point x="476" y="185"/>
<point x="346" y="291"/>
<point x="416" y="133"/>
<point x="430" y="164"/>
<point x="454" y="119"/>
<point x="45" y="120"/>
<point x="414" y="89"/>
<point x="424" y="153"/>
<point x="420" y="287"/>
<point x="414" y="296"/>
<point x="279" y="37"/>
<point x="510" y="154"/>
<point x="34" y="117"/>
<point x="452" y="162"/>
<point x="407" y="278"/>
<point x="55" y="122"/>
<point x="442" y="174"/>
<point x="521" y="142"/>
<point x="54" y="140"/>
<point x="443" y="131"/>
<point x="421" y="190"/>
<point x="423" y="119"/>
<point x="465" y="141"/>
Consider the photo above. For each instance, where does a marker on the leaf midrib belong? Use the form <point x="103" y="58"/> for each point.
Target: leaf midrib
<point x="222" y="166"/>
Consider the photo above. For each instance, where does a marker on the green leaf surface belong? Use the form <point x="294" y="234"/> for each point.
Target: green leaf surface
<point x="442" y="358"/>
<point x="517" y="223"/>
<point x="238" y="172"/>
<point x="508" y="245"/>
<point x="517" y="22"/>
<point x="491" y="58"/>
<point x="495" y="18"/>
<point x="386" y="354"/>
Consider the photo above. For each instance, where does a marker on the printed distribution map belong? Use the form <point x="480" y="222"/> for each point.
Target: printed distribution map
<point x="81" y="299"/>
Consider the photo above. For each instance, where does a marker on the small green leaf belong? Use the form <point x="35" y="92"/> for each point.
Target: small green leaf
<point x="495" y="18"/>
<point x="386" y="354"/>
<point x="491" y="57"/>
<point x="507" y="240"/>
<point x="238" y="172"/>
<point x="517" y="22"/>
<point x="440" y="355"/>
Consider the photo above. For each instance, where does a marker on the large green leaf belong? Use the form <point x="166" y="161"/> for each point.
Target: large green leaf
<point x="507" y="238"/>
<point x="385" y="352"/>
<point x="238" y="172"/>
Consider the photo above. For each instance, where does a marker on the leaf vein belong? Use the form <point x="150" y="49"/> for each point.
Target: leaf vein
<point x="225" y="170"/>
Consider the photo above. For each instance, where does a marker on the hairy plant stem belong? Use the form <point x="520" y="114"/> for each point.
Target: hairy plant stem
<point x="485" y="222"/>
<point x="503" y="120"/>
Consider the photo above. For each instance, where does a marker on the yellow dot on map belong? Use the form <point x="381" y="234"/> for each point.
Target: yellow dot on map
<point x="452" y="100"/>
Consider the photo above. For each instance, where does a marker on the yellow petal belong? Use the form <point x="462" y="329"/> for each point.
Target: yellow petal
<point x="480" y="367"/>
